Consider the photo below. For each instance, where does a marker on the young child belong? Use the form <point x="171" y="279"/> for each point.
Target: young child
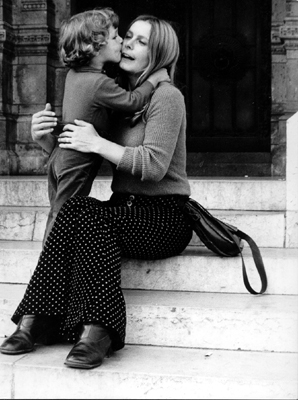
<point x="87" y="42"/>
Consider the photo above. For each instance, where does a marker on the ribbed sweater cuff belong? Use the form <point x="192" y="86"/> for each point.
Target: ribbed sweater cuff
<point x="125" y="164"/>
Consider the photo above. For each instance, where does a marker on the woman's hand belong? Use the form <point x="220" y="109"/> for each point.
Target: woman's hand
<point x="43" y="122"/>
<point x="81" y="137"/>
<point x="160" y="75"/>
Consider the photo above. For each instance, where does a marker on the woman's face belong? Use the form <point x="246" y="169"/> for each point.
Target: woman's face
<point x="135" y="50"/>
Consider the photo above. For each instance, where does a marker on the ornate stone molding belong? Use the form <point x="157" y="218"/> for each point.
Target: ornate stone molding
<point x="288" y="32"/>
<point x="25" y="39"/>
<point x="34" y="5"/>
<point x="33" y="39"/>
<point x="278" y="49"/>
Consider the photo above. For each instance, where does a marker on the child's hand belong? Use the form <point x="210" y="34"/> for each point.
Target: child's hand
<point x="43" y="122"/>
<point x="159" y="76"/>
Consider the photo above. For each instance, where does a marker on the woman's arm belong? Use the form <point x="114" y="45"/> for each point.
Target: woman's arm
<point x="42" y="124"/>
<point x="83" y="137"/>
<point x="165" y="125"/>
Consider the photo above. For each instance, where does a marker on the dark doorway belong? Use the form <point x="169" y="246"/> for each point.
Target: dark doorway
<point x="224" y="72"/>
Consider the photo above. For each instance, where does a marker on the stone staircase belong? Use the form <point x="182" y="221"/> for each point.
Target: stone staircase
<point x="193" y="329"/>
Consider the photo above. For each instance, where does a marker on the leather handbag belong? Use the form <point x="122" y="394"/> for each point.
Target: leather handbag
<point x="225" y="240"/>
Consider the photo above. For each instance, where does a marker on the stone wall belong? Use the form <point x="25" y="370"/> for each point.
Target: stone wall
<point x="31" y="76"/>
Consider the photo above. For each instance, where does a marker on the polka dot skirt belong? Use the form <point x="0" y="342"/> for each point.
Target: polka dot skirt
<point x="78" y="275"/>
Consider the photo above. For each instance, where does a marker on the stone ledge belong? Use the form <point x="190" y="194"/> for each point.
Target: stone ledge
<point x="196" y="269"/>
<point x="266" y="228"/>
<point x="197" y="320"/>
<point x="141" y="372"/>
<point x="214" y="193"/>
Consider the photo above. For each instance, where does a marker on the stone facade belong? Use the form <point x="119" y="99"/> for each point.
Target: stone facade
<point x="32" y="75"/>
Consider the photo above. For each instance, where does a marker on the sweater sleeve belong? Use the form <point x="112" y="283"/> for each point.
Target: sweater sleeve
<point x="150" y="161"/>
<point x="110" y="94"/>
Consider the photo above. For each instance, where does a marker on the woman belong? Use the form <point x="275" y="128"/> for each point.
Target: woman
<point x="76" y="284"/>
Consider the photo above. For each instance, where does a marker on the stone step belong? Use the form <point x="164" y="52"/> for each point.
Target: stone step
<point x="196" y="320"/>
<point x="146" y="372"/>
<point x="267" y="228"/>
<point x="196" y="269"/>
<point x="214" y="193"/>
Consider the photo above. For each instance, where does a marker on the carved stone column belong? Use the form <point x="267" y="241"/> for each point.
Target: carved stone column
<point x="35" y="76"/>
<point x="278" y="90"/>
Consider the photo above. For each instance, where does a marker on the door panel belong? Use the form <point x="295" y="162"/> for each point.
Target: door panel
<point x="230" y="72"/>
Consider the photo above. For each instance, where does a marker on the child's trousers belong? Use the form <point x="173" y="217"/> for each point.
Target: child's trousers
<point x="70" y="173"/>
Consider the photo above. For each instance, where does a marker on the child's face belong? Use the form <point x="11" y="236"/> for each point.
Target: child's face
<point x="135" y="50"/>
<point x="111" y="52"/>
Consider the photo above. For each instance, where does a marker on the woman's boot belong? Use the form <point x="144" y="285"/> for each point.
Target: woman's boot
<point x="30" y="328"/>
<point x="93" y="346"/>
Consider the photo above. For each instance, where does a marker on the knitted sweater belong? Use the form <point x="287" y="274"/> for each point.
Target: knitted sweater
<point x="154" y="160"/>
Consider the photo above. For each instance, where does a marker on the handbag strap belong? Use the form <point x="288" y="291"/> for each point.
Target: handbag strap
<point x="255" y="253"/>
<point x="258" y="262"/>
<point x="256" y="256"/>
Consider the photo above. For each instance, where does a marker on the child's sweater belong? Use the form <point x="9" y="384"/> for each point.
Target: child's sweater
<point x="89" y="93"/>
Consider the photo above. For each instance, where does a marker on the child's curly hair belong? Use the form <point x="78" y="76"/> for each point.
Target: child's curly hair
<point x="84" y="34"/>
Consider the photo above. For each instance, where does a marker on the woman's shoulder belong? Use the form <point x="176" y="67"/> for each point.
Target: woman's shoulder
<point x="167" y="90"/>
<point x="167" y="95"/>
<point x="168" y="87"/>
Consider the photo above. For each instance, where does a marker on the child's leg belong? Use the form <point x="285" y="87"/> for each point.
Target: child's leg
<point x="52" y="191"/>
<point x="70" y="173"/>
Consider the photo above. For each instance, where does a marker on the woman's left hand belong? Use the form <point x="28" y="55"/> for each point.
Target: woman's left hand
<point x="81" y="137"/>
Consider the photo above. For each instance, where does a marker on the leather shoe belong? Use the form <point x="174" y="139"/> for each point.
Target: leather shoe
<point x="93" y="346"/>
<point x="30" y="329"/>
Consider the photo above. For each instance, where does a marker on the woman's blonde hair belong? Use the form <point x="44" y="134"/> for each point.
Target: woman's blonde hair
<point x="82" y="36"/>
<point x="163" y="47"/>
